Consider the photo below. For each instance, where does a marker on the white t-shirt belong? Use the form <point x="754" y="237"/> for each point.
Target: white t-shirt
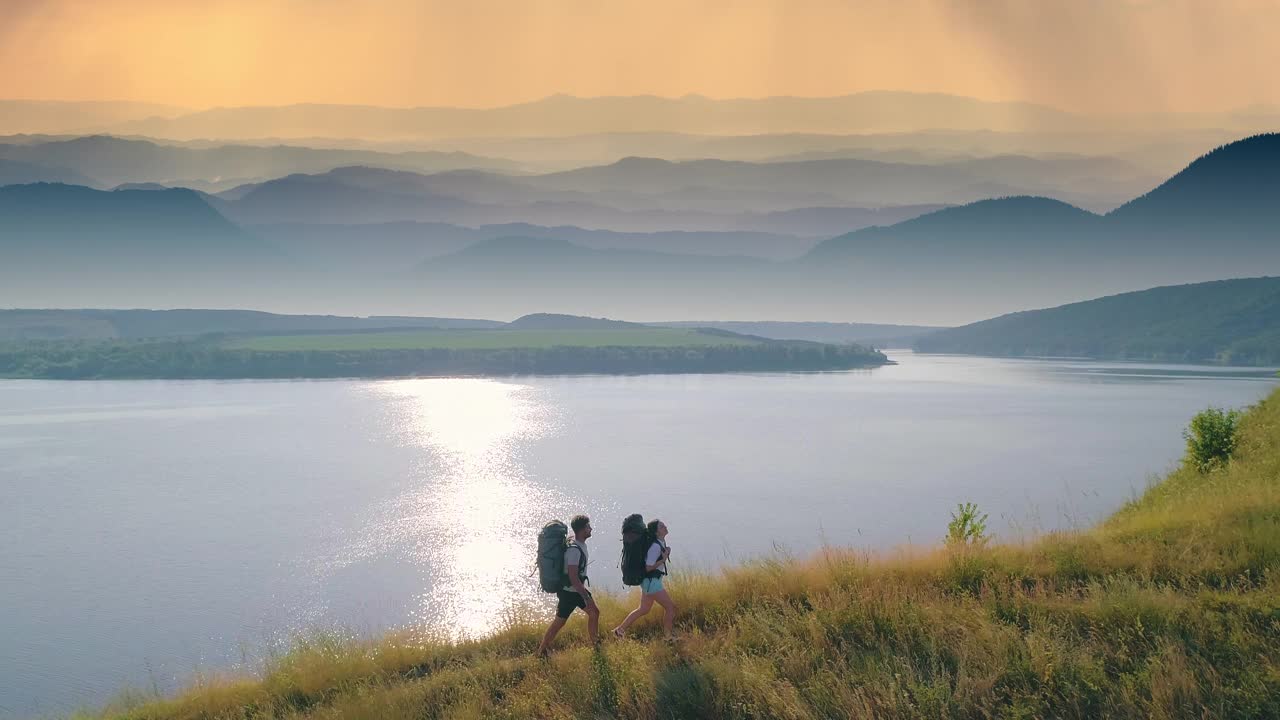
<point x="651" y="557"/>
<point x="576" y="554"/>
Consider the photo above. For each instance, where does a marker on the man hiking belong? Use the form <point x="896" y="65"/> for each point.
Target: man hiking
<point x="575" y="593"/>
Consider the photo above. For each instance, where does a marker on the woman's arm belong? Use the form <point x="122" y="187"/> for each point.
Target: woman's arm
<point x="656" y="557"/>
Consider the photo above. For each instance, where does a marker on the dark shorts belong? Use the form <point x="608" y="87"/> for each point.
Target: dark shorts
<point x="569" y="601"/>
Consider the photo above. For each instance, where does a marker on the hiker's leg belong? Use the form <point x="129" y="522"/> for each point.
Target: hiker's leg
<point x="669" y="611"/>
<point x="550" y="635"/>
<point x="646" y="602"/>
<point x="593" y="622"/>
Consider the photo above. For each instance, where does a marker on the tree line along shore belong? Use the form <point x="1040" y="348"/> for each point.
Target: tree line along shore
<point x="426" y="353"/>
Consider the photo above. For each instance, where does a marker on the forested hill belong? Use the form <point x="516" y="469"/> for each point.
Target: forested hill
<point x="1234" y="188"/>
<point x="1227" y="321"/>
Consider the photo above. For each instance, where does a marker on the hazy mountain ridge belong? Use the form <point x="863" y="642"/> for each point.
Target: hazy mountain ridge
<point x="76" y="225"/>
<point x="543" y="255"/>
<point x="639" y="194"/>
<point x="389" y="247"/>
<point x="114" y="161"/>
<point x="1233" y="192"/>
<point x="54" y="116"/>
<point x="558" y="115"/>
<point x="948" y="267"/>
<point x="565" y="115"/>
<point x="15" y="172"/>
<point x="1154" y="152"/>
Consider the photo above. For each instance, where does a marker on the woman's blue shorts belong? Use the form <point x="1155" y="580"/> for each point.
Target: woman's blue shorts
<point x="649" y="586"/>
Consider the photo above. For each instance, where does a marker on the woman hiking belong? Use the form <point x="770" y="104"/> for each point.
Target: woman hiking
<point x="655" y="567"/>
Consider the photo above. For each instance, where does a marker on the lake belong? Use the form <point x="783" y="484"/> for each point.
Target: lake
<point x="150" y="530"/>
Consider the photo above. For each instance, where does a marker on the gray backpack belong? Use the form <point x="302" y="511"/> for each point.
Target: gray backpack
<point x="552" y="541"/>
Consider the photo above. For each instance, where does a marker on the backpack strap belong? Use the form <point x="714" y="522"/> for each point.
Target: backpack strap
<point x="663" y="548"/>
<point x="582" y="563"/>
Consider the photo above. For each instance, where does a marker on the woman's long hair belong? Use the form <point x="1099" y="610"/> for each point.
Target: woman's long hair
<point x="651" y="530"/>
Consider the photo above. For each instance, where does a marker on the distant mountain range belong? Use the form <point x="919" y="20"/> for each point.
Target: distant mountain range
<point x="1226" y="321"/>
<point x="558" y="115"/>
<point x="520" y="256"/>
<point x="1156" y="152"/>
<point x="54" y="117"/>
<point x="650" y="195"/>
<point x="14" y="172"/>
<point x="391" y="247"/>
<point x="998" y="255"/>
<point x="1216" y="219"/>
<point x="566" y="115"/>
<point x="1223" y="210"/>
<point x="105" y="162"/>
<point x="360" y="195"/>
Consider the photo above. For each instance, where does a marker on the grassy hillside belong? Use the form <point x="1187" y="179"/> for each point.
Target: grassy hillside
<point x="1228" y="321"/>
<point x="26" y="325"/>
<point x="1168" y="609"/>
<point x="876" y="334"/>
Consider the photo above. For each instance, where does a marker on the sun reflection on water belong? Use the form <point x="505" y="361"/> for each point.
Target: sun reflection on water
<point x="470" y="515"/>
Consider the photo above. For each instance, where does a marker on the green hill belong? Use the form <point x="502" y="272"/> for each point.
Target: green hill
<point x="1169" y="609"/>
<point x="1239" y="182"/>
<point x="1227" y="321"/>
<point x="34" y="324"/>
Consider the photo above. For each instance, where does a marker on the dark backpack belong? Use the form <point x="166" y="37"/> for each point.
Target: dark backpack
<point x="635" y="543"/>
<point x="552" y="541"/>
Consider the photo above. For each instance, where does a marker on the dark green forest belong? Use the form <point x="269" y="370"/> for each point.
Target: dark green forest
<point x="1233" y="322"/>
<point x="211" y="358"/>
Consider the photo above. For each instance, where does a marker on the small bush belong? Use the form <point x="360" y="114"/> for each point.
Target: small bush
<point x="968" y="527"/>
<point x="1211" y="438"/>
<point x="967" y="538"/>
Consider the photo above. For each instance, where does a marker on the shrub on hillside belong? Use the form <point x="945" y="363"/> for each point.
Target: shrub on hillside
<point x="966" y="539"/>
<point x="968" y="526"/>
<point x="1211" y="438"/>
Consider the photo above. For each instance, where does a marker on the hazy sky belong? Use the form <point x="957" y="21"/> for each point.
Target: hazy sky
<point x="1086" y="55"/>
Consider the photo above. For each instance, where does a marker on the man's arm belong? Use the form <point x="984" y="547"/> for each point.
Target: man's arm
<point x="576" y="583"/>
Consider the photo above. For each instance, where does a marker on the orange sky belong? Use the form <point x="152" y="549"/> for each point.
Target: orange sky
<point x="1085" y="55"/>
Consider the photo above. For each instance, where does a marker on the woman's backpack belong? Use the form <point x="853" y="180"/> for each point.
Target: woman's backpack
<point x="552" y="541"/>
<point x="635" y="543"/>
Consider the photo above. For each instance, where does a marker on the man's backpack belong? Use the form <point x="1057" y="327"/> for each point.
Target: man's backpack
<point x="552" y="541"/>
<point x="635" y="543"/>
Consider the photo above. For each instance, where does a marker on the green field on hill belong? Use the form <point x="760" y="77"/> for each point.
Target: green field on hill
<point x="488" y="340"/>
<point x="1168" y="609"/>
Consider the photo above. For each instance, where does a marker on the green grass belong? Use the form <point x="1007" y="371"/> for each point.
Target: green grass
<point x="1168" y="609"/>
<point x="487" y="340"/>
